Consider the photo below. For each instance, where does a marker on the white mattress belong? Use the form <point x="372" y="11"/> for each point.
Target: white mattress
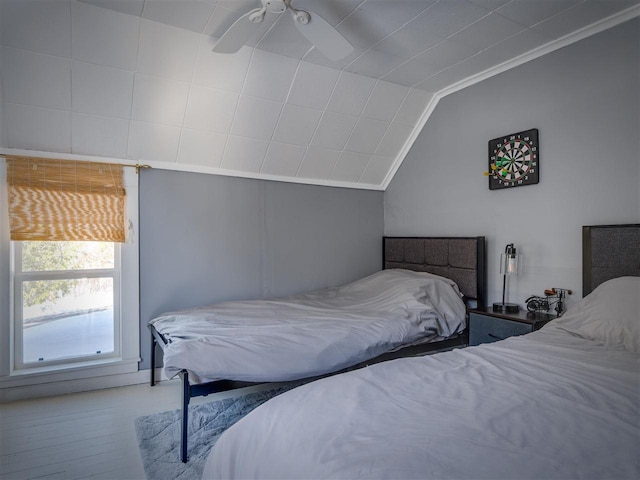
<point x="311" y="334"/>
<point x="545" y="405"/>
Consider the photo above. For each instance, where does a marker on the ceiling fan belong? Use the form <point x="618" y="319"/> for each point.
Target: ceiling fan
<point x="315" y="28"/>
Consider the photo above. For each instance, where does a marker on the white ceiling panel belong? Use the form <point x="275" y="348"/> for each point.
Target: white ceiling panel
<point x="104" y="37"/>
<point x="129" y="7"/>
<point x="115" y="87"/>
<point x="488" y="31"/>
<point x="412" y="107"/>
<point x="44" y="129"/>
<point x="448" y="17"/>
<point x="256" y="117"/>
<point x="385" y="100"/>
<point x="297" y="125"/>
<point x="312" y="86"/>
<point x="138" y="78"/>
<point x="375" y="19"/>
<point x="350" y="167"/>
<point x="244" y="154"/>
<point x="365" y="138"/>
<point x="318" y="163"/>
<point x="147" y="108"/>
<point x="376" y="170"/>
<point x="210" y="109"/>
<point x="334" y="130"/>
<point x="580" y="16"/>
<point x="167" y="51"/>
<point x="282" y="159"/>
<point x="519" y="44"/>
<point x="190" y="15"/>
<point x="445" y="54"/>
<point x="394" y="139"/>
<point x="430" y="62"/>
<point x="351" y="93"/>
<point x="374" y="63"/>
<point x="458" y="72"/>
<point x="42" y="27"/>
<point x="270" y="75"/>
<point x="530" y="13"/>
<point x="201" y="148"/>
<point x="410" y="40"/>
<point x="489" y="4"/>
<point x="35" y="79"/>
<point x="314" y="56"/>
<point x="94" y="135"/>
<point x="218" y="70"/>
<point x="151" y="140"/>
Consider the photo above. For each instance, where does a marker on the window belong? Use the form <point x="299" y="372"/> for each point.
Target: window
<point x="66" y="300"/>
<point x="69" y="307"/>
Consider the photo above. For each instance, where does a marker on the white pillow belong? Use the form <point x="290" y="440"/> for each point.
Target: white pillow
<point x="610" y="314"/>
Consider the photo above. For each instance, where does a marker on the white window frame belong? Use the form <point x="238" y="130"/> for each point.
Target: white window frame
<point x="60" y="378"/>
<point x="19" y="277"/>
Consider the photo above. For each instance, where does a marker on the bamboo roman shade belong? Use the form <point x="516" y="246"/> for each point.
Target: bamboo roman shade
<point x="70" y="200"/>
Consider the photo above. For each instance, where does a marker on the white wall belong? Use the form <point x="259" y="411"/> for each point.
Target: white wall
<point x="584" y="99"/>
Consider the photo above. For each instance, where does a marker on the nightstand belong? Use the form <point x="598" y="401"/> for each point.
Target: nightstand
<point x="486" y="326"/>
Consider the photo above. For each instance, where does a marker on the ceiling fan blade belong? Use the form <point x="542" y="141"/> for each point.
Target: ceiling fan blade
<point x="240" y="32"/>
<point x="323" y="36"/>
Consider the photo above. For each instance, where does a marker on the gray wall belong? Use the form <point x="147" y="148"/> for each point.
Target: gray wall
<point x="584" y="99"/>
<point x="3" y="133"/>
<point x="206" y="238"/>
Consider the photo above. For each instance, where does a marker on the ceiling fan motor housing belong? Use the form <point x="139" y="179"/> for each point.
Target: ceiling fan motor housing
<point x="320" y="33"/>
<point x="275" y="6"/>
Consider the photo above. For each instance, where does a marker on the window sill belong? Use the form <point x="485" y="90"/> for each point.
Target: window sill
<point x="63" y="373"/>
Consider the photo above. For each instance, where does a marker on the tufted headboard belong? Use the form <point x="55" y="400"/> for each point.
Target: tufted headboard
<point x="462" y="259"/>
<point x="609" y="251"/>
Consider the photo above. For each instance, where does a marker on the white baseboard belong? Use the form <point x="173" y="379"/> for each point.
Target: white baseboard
<point x="63" y="387"/>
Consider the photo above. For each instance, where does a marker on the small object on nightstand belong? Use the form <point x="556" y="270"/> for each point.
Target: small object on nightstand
<point x="537" y="304"/>
<point x="508" y="267"/>
<point x="486" y="325"/>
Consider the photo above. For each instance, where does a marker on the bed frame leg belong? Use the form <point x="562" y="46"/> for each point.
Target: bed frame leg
<point x="153" y="360"/>
<point x="186" y="395"/>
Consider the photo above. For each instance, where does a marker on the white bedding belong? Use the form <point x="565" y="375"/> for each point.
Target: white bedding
<point x="311" y="334"/>
<point x="550" y="404"/>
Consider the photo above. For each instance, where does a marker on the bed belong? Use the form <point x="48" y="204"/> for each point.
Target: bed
<point x="415" y="305"/>
<point x="561" y="402"/>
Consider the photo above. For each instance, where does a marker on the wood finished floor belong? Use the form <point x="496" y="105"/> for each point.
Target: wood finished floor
<point x="83" y="435"/>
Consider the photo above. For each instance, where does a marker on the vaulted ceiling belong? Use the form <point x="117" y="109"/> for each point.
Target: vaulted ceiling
<point x="137" y="79"/>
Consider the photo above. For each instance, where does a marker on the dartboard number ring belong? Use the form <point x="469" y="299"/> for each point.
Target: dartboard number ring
<point x="514" y="160"/>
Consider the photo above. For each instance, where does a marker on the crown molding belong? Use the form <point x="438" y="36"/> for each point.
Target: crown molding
<point x="190" y="169"/>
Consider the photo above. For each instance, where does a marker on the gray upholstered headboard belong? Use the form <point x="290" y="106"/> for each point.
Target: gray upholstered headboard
<point x="462" y="259"/>
<point x="609" y="251"/>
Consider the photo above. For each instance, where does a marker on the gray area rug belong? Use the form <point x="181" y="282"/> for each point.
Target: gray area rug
<point x="159" y="434"/>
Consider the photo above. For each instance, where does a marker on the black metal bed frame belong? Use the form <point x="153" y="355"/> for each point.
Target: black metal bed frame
<point x="479" y="271"/>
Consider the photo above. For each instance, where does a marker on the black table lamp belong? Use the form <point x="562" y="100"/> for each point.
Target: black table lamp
<point x="508" y="267"/>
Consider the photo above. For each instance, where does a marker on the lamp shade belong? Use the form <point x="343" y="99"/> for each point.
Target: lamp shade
<point x="509" y="261"/>
<point x="508" y="267"/>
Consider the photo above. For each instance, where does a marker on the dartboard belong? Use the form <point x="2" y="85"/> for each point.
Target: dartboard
<point x="514" y="160"/>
